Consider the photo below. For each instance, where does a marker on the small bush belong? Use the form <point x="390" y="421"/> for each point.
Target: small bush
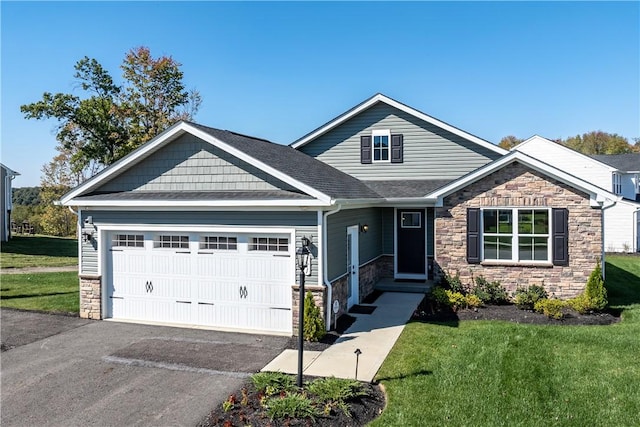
<point x="550" y="307"/>
<point x="440" y="297"/>
<point x="472" y="301"/>
<point x="581" y="304"/>
<point x="314" y="328"/>
<point x="456" y="300"/>
<point x="595" y="291"/>
<point x="292" y="405"/>
<point x="454" y="283"/>
<point x="490" y="292"/>
<point x="335" y="392"/>
<point x="273" y="382"/>
<point x="526" y="298"/>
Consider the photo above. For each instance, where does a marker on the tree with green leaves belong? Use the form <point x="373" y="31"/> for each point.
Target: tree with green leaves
<point x="111" y="120"/>
<point x="510" y="141"/>
<point x="598" y="142"/>
<point x="595" y="142"/>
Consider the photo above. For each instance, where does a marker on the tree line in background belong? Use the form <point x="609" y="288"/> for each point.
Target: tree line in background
<point x="595" y="142"/>
<point x="103" y="125"/>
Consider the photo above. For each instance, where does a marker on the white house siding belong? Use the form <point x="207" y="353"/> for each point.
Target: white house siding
<point x="191" y="164"/>
<point x="429" y="152"/>
<point x="620" y="227"/>
<point x="569" y="161"/>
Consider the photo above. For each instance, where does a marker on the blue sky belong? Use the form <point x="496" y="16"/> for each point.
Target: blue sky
<point x="279" y="70"/>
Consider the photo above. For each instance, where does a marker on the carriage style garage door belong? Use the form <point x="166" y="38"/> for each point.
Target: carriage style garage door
<point x="226" y="280"/>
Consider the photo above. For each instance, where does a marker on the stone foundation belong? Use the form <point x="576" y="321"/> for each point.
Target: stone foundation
<point x="518" y="186"/>
<point x="90" y="297"/>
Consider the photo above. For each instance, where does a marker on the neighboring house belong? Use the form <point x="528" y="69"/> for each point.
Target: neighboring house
<point x="200" y="225"/>
<point x="6" y="177"/>
<point x="617" y="173"/>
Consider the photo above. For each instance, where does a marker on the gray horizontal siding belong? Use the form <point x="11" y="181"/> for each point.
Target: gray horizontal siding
<point x="305" y="223"/>
<point x="370" y="243"/>
<point x="190" y="164"/>
<point x="88" y="251"/>
<point x="311" y="232"/>
<point x="429" y="151"/>
<point x="388" y="230"/>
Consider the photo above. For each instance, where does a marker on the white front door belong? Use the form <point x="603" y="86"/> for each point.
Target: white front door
<point x="353" y="263"/>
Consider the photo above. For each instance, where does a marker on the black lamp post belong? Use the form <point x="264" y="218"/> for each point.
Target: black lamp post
<point x="303" y="258"/>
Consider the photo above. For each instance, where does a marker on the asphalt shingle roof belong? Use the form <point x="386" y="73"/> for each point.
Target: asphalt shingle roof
<point x="406" y="188"/>
<point x="623" y="162"/>
<point x="296" y="164"/>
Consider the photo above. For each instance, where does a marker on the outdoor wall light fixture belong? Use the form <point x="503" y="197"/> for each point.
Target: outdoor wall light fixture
<point x="87" y="236"/>
<point x="364" y="228"/>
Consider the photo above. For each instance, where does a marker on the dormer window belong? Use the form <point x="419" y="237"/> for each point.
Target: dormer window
<point x="381" y="145"/>
<point x="617" y="183"/>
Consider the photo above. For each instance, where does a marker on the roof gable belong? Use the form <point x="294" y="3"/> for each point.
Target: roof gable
<point x="393" y="103"/>
<point x="301" y="172"/>
<point x="598" y="195"/>
<point x="539" y="140"/>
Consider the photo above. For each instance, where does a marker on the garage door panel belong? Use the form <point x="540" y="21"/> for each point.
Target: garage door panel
<point x="218" y="286"/>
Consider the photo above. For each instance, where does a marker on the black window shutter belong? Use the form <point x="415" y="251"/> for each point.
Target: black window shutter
<point x="560" y="236"/>
<point x="396" y="148"/>
<point x="365" y="149"/>
<point x="473" y="235"/>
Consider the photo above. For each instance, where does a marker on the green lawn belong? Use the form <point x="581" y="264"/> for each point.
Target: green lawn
<point x="38" y="251"/>
<point x="54" y="292"/>
<point x="491" y="373"/>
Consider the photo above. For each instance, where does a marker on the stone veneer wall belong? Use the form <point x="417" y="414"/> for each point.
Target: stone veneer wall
<point x="369" y="275"/>
<point x="518" y="186"/>
<point x="90" y="297"/>
<point x="319" y="298"/>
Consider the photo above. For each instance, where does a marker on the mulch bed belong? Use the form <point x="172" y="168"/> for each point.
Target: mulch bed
<point x="331" y="336"/>
<point x="363" y="410"/>
<point x="510" y="313"/>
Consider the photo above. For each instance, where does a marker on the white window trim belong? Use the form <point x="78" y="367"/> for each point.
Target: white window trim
<point x="515" y="243"/>
<point x="380" y="132"/>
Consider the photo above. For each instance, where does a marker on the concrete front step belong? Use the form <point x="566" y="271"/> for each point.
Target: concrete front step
<point x="391" y="285"/>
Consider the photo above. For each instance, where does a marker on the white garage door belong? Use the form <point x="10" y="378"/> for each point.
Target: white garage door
<point x="226" y="280"/>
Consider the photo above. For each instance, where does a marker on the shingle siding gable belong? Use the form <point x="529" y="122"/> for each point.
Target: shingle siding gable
<point x="190" y="164"/>
<point x="429" y="152"/>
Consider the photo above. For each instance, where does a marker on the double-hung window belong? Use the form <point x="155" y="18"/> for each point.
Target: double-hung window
<point x="516" y="234"/>
<point x="381" y="145"/>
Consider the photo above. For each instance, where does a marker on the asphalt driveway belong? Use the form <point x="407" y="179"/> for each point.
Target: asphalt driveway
<point x="65" y="371"/>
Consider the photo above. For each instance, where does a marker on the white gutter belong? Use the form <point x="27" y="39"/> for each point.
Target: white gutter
<point x="325" y="267"/>
<point x="613" y="203"/>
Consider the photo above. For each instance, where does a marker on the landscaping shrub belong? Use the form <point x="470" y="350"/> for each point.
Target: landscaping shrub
<point x="335" y="392"/>
<point x="292" y="405"/>
<point x="526" y="298"/>
<point x="490" y="292"/>
<point x="273" y="382"/>
<point x="454" y="283"/>
<point x="446" y="298"/>
<point x="472" y="301"/>
<point x="550" y="307"/>
<point x="595" y="291"/>
<point x="440" y="297"/>
<point x="594" y="297"/>
<point x="314" y="328"/>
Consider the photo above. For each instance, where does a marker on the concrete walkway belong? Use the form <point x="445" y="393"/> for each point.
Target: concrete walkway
<point x="374" y="334"/>
<point x="26" y="270"/>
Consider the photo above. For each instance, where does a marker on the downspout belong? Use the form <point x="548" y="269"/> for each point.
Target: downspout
<point x="613" y="203"/>
<point x="636" y="220"/>
<point x="325" y="267"/>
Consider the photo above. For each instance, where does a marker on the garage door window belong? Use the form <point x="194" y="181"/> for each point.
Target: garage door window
<point x="219" y="243"/>
<point x="269" y="244"/>
<point x="128" y="240"/>
<point x="167" y="241"/>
